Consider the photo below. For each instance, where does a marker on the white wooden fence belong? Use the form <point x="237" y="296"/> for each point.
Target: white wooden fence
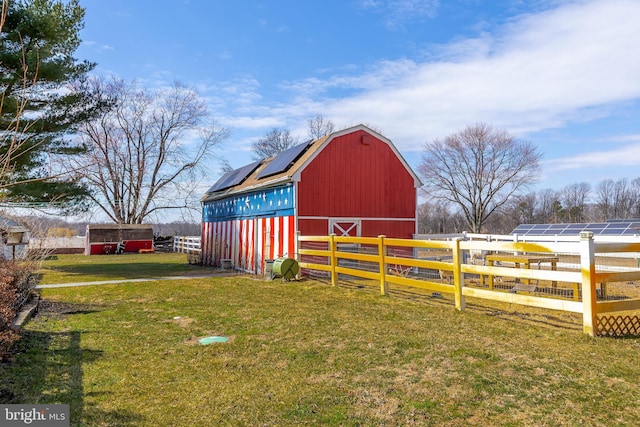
<point x="186" y="244"/>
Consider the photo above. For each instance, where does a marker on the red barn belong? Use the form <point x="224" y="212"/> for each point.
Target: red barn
<point x="104" y="239"/>
<point x="352" y="182"/>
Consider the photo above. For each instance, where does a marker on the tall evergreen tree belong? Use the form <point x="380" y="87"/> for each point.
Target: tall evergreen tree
<point x="40" y="101"/>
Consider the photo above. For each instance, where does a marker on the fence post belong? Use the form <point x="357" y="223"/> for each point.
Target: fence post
<point x="297" y="244"/>
<point x="588" y="268"/>
<point x="333" y="258"/>
<point x="382" y="254"/>
<point x="458" y="277"/>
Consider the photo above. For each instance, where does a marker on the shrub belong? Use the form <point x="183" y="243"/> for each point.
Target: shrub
<point x="61" y="232"/>
<point x="15" y="287"/>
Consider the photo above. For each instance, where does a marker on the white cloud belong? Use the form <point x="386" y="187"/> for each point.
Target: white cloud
<point x="252" y="122"/>
<point x="95" y="47"/>
<point x="541" y="71"/>
<point x="628" y="155"/>
<point x="397" y="12"/>
<point x="574" y="63"/>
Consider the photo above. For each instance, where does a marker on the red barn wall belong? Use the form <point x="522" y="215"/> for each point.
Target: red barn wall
<point x="313" y="227"/>
<point x="358" y="176"/>
<point x="398" y="229"/>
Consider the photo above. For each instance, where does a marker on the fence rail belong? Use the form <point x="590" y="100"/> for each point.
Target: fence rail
<point x="189" y="245"/>
<point x="186" y="244"/>
<point x="593" y="278"/>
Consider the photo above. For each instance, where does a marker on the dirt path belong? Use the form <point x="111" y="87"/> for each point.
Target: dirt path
<point x="150" y="279"/>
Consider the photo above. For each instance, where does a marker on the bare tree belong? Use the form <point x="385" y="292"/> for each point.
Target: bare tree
<point x="319" y="127"/>
<point x="225" y="166"/>
<point x="524" y="208"/>
<point x="616" y="199"/>
<point x="478" y="169"/>
<point x="436" y="217"/>
<point x="574" y="199"/>
<point x="635" y="191"/>
<point x="605" y="199"/>
<point x="274" y="142"/>
<point x="624" y="199"/>
<point x="148" y="150"/>
<point x="547" y="206"/>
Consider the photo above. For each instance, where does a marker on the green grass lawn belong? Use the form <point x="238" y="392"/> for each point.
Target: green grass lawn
<point x="304" y="353"/>
<point x="82" y="268"/>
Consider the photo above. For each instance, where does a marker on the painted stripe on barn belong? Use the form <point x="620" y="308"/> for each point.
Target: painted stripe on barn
<point x="269" y="235"/>
<point x="236" y="236"/>
<point x="248" y="242"/>
<point x="259" y="243"/>
<point x="276" y="237"/>
<point x="291" y="238"/>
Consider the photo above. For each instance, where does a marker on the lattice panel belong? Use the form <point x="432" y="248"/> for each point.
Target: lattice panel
<point x="618" y="326"/>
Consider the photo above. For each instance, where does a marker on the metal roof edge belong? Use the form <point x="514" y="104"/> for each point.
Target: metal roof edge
<point x="416" y="180"/>
<point x="295" y="171"/>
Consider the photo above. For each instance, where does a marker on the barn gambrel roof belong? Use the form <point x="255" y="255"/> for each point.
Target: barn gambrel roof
<point x="286" y="167"/>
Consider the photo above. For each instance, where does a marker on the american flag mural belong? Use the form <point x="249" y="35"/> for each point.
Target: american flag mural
<point x="248" y="242"/>
<point x="249" y="228"/>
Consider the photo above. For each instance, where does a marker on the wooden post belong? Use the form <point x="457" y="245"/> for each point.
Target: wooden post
<point x="382" y="253"/>
<point x="458" y="276"/>
<point x="297" y="244"/>
<point x="296" y="255"/>
<point x="588" y="267"/>
<point x="333" y="259"/>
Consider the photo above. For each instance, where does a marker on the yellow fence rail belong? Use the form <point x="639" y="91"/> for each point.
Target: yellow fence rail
<point x="390" y="261"/>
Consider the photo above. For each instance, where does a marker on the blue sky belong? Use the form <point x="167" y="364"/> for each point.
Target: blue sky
<point x="564" y="75"/>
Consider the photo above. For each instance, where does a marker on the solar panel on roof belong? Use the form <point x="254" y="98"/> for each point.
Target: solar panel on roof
<point x="521" y="229"/>
<point x="567" y="232"/>
<point x="233" y="177"/>
<point x="613" y="231"/>
<point x="610" y="228"/>
<point x="283" y="160"/>
<point x="539" y="227"/>
<point x="595" y="226"/>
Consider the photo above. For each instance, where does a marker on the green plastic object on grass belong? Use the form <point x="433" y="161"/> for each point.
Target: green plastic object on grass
<point x="287" y="268"/>
<point x="211" y="340"/>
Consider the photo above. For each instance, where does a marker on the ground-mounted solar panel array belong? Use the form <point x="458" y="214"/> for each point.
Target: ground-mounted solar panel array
<point x="234" y="177"/>
<point x="610" y="228"/>
<point x="283" y="160"/>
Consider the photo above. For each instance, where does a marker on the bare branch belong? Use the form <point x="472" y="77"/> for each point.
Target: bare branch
<point x="319" y="127"/>
<point x="274" y="142"/>
<point x="478" y="169"/>
<point x="147" y="150"/>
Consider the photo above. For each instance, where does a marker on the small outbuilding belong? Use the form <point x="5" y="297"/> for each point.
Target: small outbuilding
<point x="14" y="238"/>
<point x="103" y="239"/>
<point x="353" y="182"/>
